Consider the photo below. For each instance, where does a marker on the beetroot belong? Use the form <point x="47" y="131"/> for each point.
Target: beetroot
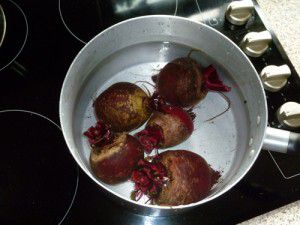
<point x="149" y="178"/>
<point x="175" y="177"/>
<point x="183" y="82"/>
<point x="99" y="134"/>
<point x="114" y="161"/>
<point x="190" y="178"/>
<point x="167" y="127"/>
<point x="124" y="106"/>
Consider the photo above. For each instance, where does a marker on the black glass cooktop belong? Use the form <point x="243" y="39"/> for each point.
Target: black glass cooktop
<point x="40" y="182"/>
<point x="34" y="190"/>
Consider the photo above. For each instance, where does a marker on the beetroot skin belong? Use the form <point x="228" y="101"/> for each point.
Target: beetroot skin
<point x="124" y="106"/>
<point x="183" y="82"/>
<point x="114" y="162"/>
<point x="190" y="178"/>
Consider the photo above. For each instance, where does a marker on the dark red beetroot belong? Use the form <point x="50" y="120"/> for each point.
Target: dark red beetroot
<point x="190" y="178"/>
<point x="114" y="162"/>
<point x="184" y="83"/>
<point x="167" y="127"/>
<point x="124" y="106"/>
<point x="175" y="177"/>
<point x="99" y="135"/>
<point x="149" y="178"/>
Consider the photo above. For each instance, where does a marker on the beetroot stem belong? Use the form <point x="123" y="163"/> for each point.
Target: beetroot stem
<point x="212" y="80"/>
<point x="227" y="108"/>
<point x="149" y="178"/>
<point x="191" y="51"/>
<point x="142" y="81"/>
<point x="147" y="90"/>
<point x="150" y="138"/>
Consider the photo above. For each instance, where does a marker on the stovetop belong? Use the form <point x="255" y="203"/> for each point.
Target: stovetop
<point x="40" y="181"/>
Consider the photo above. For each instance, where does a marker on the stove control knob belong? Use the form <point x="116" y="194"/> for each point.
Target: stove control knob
<point x="289" y="114"/>
<point x="254" y="44"/>
<point x="239" y="12"/>
<point x="275" y="77"/>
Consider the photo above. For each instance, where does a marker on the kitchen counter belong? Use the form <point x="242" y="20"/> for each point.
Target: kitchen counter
<point x="288" y="214"/>
<point x="283" y="17"/>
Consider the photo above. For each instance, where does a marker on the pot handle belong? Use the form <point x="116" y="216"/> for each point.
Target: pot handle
<point x="282" y="141"/>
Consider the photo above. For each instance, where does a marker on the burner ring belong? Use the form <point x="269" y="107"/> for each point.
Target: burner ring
<point x="25" y="38"/>
<point x="62" y="18"/>
<point x="2" y="25"/>
<point x="68" y="208"/>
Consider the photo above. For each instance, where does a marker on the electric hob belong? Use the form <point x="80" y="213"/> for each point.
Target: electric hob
<point x="40" y="182"/>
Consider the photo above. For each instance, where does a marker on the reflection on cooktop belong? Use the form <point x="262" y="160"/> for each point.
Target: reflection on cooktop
<point x="85" y="19"/>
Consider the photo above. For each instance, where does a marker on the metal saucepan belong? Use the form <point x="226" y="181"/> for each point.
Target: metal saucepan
<point x="134" y="50"/>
